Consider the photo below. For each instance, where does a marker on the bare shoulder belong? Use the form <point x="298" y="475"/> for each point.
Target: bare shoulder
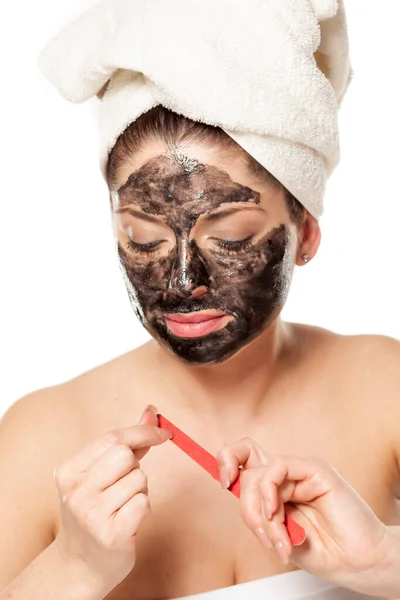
<point x="373" y="359"/>
<point x="31" y="425"/>
<point x="376" y="374"/>
<point x="371" y="366"/>
<point x="107" y="397"/>
<point x="36" y="433"/>
<point x="29" y="448"/>
<point x="47" y="423"/>
<point x="367" y="367"/>
<point x="364" y="355"/>
<point x="41" y="430"/>
<point x="365" y="372"/>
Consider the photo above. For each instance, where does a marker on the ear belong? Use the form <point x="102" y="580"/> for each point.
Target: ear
<point x="310" y="238"/>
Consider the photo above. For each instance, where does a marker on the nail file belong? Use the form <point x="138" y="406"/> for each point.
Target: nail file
<point x="206" y="460"/>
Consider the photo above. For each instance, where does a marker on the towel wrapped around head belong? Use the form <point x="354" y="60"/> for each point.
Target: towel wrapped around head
<point x="270" y="73"/>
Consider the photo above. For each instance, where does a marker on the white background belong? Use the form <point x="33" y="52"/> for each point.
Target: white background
<point x="64" y="308"/>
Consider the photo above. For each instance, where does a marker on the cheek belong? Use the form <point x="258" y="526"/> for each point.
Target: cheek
<point x="239" y="268"/>
<point x="250" y="268"/>
<point x="265" y="269"/>
<point x="242" y="282"/>
<point x="146" y="274"/>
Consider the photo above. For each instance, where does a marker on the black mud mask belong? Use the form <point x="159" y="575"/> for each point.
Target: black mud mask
<point x="248" y="281"/>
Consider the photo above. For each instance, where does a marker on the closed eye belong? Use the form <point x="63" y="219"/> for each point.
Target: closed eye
<point x="235" y="245"/>
<point x="144" y="249"/>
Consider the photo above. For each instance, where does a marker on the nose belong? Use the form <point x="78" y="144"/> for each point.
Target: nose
<point x="189" y="277"/>
<point x="195" y="294"/>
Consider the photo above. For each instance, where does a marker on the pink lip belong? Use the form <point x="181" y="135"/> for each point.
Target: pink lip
<point x="199" y="324"/>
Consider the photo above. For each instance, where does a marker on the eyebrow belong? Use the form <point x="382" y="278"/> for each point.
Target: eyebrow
<point x="139" y="214"/>
<point x="229" y="211"/>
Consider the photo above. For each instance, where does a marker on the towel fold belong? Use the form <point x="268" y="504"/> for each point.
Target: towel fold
<point x="271" y="73"/>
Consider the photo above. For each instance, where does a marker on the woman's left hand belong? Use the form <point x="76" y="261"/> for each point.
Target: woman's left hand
<point x="345" y="540"/>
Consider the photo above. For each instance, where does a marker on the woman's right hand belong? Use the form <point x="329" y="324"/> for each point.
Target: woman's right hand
<point x="104" y="498"/>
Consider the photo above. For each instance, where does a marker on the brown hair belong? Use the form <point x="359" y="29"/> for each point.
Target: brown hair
<point x="172" y="128"/>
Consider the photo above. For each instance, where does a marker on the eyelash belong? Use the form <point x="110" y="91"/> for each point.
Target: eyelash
<point x="235" y="246"/>
<point x="152" y="247"/>
<point x="146" y="249"/>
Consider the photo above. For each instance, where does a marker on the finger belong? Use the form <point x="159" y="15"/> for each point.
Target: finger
<point x="274" y="511"/>
<point x="291" y="479"/>
<point x="269" y="533"/>
<point x="251" y="508"/>
<point x="301" y="479"/>
<point x="245" y="453"/>
<point x="116" y="462"/>
<point x="278" y="535"/>
<point x="139" y="438"/>
<point x="82" y="460"/>
<point x="149" y="416"/>
<point x="126" y="521"/>
<point x="276" y="487"/>
<point x="114" y="497"/>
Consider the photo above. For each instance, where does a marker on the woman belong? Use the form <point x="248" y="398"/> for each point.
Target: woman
<point x="207" y="237"/>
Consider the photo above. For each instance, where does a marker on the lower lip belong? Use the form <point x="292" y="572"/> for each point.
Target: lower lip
<point x="195" y="330"/>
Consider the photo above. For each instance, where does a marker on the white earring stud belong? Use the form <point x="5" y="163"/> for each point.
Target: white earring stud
<point x="305" y="257"/>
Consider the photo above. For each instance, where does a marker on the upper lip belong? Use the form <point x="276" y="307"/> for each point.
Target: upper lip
<point x="195" y="317"/>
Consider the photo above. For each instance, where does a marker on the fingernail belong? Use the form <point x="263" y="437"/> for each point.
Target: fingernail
<point x="143" y="413"/>
<point x="267" y="506"/>
<point x="264" y="537"/>
<point x="225" y="478"/>
<point x="149" y="407"/>
<point x="281" y="549"/>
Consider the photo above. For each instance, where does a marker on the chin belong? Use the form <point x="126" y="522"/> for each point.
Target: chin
<point x="206" y="350"/>
<point x="214" y="349"/>
<point x="203" y="351"/>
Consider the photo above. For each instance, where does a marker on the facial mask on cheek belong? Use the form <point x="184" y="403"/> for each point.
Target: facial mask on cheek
<point x="247" y="287"/>
<point x="251" y="287"/>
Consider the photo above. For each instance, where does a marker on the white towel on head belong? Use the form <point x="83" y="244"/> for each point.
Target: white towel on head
<point x="271" y="73"/>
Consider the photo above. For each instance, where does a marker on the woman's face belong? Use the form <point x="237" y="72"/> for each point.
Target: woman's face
<point x="206" y="250"/>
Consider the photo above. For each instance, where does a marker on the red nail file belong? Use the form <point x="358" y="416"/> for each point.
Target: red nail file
<point x="206" y="460"/>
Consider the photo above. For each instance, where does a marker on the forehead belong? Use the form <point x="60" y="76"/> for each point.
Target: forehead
<point x="168" y="183"/>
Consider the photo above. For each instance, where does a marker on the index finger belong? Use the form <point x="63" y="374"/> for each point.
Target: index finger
<point x="137" y="437"/>
<point x="245" y="453"/>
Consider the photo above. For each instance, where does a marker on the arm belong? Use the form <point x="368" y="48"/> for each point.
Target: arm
<point x="388" y="575"/>
<point x="30" y="567"/>
<point x="47" y="578"/>
<point x="346" y="542"/>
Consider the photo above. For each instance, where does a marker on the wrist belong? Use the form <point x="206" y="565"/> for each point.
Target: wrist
<point x="389" y="571"/>
<point x="78" y="578"/>
<point x="380" y="575"/>
<point x="385" y="580"/>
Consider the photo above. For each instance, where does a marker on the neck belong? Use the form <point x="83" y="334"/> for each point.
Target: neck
<point x="238" y="386"/>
